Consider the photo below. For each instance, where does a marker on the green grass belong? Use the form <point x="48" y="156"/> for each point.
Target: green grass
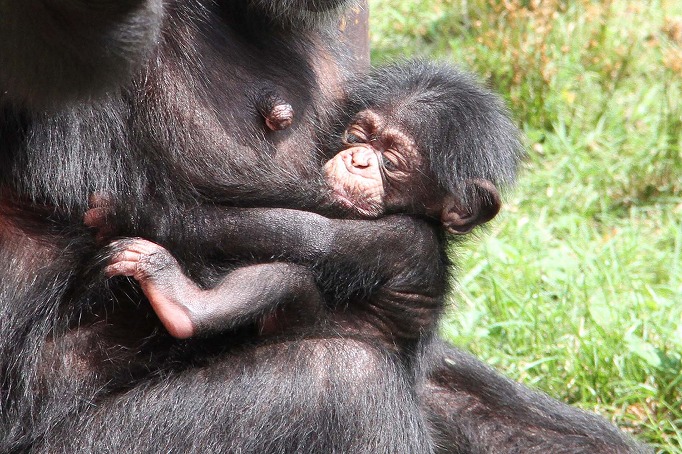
<point x="576" y="289"/>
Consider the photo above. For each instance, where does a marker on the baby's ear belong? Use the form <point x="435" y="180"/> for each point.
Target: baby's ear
<point x="484" y="203"/>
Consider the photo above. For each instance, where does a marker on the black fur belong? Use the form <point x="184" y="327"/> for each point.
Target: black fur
<point x="53" y="52"/>
<point x="155" y="114"/>
<point x="298" y="13"/>
<point x="465" y="129"/>
<point x="473" y="409"/>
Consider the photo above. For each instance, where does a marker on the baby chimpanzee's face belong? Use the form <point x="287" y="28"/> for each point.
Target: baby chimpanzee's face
<point x="377" y="169"/>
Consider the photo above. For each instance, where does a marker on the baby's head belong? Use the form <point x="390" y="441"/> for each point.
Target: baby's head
<point x="425" y="139"/>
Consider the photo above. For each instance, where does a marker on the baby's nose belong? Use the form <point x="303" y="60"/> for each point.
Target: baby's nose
<point x="362" y="157"/>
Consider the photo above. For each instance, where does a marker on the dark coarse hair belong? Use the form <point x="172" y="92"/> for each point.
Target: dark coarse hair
<point x="464" y="129"/>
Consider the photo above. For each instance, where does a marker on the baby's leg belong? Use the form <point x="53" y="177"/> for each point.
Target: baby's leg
<point x="185" y="309"/>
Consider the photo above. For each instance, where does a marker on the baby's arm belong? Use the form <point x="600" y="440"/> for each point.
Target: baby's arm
<point x="393" y="262"/>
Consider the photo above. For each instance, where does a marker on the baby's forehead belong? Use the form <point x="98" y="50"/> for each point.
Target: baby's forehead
<point x="385" y="123"/>
<point x="370" y="116"/>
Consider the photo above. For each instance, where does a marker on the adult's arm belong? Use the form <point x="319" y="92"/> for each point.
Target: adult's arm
<point x="52" y="51"/>
<point x="473" y="408"/>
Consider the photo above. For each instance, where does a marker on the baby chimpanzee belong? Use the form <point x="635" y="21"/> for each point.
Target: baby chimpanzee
<point x="423" y="140"/>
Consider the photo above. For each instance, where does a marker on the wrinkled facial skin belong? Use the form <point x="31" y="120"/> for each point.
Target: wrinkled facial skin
<point x="376" y="167"/>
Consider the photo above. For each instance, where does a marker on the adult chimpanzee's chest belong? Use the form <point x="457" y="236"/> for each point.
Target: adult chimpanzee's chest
<point x="187" y="118"/>
<point x="207" y="83"/>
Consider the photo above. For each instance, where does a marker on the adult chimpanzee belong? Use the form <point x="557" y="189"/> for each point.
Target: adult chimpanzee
<point x="387" y="162"/>
<point x="141" y="99"/>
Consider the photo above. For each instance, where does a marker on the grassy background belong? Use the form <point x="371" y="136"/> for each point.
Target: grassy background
<point x="577" y="287"/>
